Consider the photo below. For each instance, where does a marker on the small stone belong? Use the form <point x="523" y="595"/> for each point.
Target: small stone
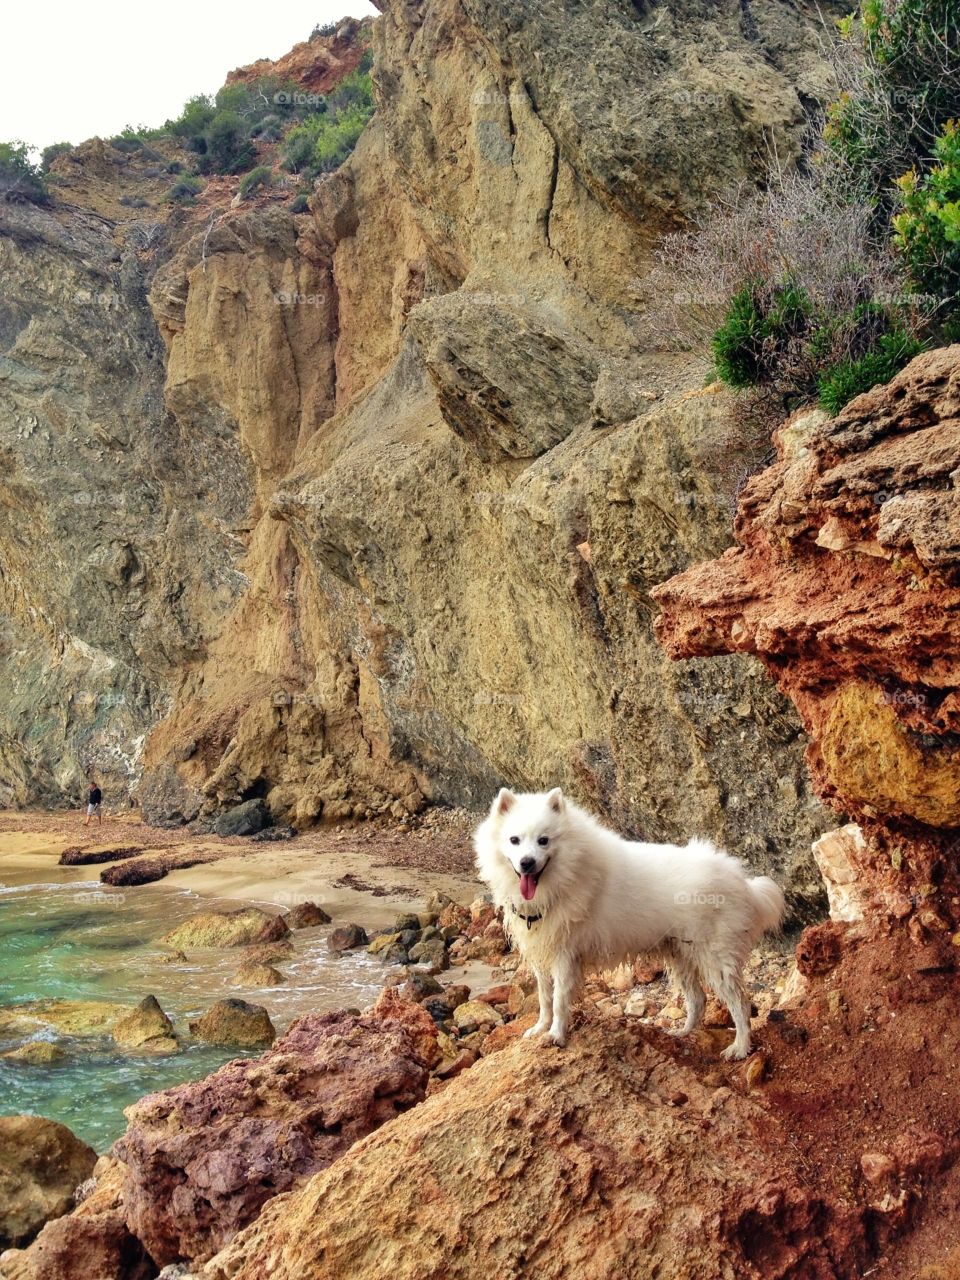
<point x="347" y="937"/>
<point x="382" y="942"/>
<point x="464" y="1059"/>
<point x="306" y="915"/>
<point x="252" y="973"/>
<point x="38" y="1053"/>
<point x="439" y="1009"/>
<point x="146" y="1027"/>
<point x="877" y="1166"/>
<point x="671" y="1011"/>
<point x="433" y="952"/>
<point x="407" y="921"/>
<point x="457" y="993"/>
<point x="178" y="957"/>
<point x="419" y="985"/>
<point x="472" y="1014"/>
<point x="235" y="1022"/>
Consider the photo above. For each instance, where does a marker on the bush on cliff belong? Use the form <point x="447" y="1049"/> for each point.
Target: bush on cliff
<point x="831" y="279"/>
<point x="321" y="143"/>
<point x="926" y="228"/>
<point x="21" y="181"/>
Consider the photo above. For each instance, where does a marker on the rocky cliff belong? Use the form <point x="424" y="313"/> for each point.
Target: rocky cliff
<point x="364" y="504"/>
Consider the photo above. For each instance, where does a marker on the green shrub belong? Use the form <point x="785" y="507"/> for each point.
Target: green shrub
<point x="321" y="143"/>
<point x="256" y="178"/>
<point x="184" y="191"/>
<point x="49" y="154"/>
<point x="20" y="179"/>
<point x="899" y="66"/>
<point x="839" y="384"/>
<point x="927" y="229"/>
<point x="324" y="30"/>
<point x="776" y="339"/>
<point x="299" y="204"/>
<point x="227" y="144"/>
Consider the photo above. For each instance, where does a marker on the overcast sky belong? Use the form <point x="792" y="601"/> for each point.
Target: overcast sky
<point x="69" y="71"/>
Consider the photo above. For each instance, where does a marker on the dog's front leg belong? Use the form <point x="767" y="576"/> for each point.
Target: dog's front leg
<point x="545" y="996"/>
<point x="566" y="979"/>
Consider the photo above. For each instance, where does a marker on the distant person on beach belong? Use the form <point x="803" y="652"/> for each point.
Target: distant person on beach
<point x="94" y="800"/>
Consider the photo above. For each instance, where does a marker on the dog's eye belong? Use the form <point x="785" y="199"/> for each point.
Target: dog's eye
<point x="543" y="840"/>
<point x="514" y="839"/>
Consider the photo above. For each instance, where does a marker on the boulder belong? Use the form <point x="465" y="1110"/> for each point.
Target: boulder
<point x="235" y="1022"/>
<point x="347" y="938"/>
<point x="253" y="973"/>
<point x="41" y="1165"/>
<point x="201" y="1160"/>
<point x="92" y="1242"/>
<point x="580" y="1163"/>
<point x="69" y="1017"/>
<point x="146" y="1028"/>
<point x="433" y="952"/>
<point x="243" y="820"/>
<point x="306" y="915"/>
<point x="226" y="929"/>
<point x="38" y="1053"/>
<point x="473" y="1015"/>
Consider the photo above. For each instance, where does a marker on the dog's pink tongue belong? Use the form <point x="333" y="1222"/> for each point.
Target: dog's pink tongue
<point x="528" y="887"/>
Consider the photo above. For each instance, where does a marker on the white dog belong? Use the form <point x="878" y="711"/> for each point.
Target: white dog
<point x="575" y="896"/>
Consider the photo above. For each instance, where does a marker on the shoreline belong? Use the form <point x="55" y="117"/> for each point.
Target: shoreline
<point x="373" y="873"/>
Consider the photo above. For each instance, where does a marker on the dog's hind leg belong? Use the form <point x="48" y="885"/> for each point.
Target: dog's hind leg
<point x="729" y="988"/>
<point x="566" y="980"/>
<point x="694" y="998"/>
<point x="545" y="996"/>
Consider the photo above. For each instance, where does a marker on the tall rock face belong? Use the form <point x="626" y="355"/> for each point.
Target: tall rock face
<point x="118" y="549"/>
<point x="429" y="459"/>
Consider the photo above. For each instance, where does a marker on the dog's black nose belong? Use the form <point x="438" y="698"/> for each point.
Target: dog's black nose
<point x="527" y="864"/>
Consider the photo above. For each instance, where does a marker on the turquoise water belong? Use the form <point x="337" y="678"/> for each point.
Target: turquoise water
<point x="84" y="941"/>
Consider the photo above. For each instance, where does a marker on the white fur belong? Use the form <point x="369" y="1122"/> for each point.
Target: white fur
<point x="604" y="900"/>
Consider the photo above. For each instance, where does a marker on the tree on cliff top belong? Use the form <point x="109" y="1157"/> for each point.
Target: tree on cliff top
<point x="21" y="181"/>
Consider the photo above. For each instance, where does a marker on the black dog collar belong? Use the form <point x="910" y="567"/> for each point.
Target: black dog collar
<point x="529" y="919"/>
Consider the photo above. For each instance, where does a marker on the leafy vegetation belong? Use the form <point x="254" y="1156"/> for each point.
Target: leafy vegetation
<point x="21" y="181"/>
<point x="832" y="280"/>
<point x="185" y="190"/>
<point x="256" y="178"/>
<point x="49" y="154"/>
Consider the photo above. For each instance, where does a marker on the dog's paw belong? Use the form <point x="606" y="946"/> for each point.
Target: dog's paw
<point x="734" y="1052"/>
<point x="559" y="1038"/>
<point x="536" y="1030"/>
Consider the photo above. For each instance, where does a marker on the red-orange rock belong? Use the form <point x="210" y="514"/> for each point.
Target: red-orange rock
<point x="202" y="1159"/>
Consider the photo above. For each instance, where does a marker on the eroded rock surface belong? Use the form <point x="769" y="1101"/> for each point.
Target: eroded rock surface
<point x="200" y="1160"/>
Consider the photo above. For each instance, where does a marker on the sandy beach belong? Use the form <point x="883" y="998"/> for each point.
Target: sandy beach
<point x="367" y="873"/>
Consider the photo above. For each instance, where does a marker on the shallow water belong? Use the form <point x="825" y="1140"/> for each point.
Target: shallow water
<point x="81" y="940"/>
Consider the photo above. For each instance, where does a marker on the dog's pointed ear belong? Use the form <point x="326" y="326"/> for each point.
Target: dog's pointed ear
<point x="504" y="802"/>
<point x="555" y="800"/>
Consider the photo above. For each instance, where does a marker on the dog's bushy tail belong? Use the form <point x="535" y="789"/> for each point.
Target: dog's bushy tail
<point x="768" y="902"/>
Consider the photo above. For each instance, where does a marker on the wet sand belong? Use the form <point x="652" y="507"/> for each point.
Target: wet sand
<point x="362" y="873"/>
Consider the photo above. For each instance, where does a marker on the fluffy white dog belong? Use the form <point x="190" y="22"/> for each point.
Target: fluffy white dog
<point x="576" y="896"/>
